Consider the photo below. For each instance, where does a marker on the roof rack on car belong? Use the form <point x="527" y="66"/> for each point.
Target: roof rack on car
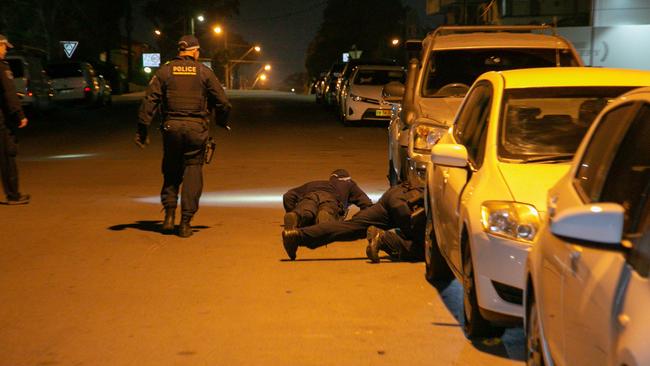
<point x="444" y="30"/>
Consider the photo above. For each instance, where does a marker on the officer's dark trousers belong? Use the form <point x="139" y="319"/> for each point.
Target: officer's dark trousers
<point x="8" y="167"/>
<point x="316" y="208"/>
<point x="318" y="235"/>
<point x="184" y="145"/>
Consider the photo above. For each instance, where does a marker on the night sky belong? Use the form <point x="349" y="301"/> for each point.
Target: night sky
<point x="285" y="28"/>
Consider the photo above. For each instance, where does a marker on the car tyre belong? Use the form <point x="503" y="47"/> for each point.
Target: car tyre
<point x="436" y="267"/>
<point x="534" y="352"/>
<point x="475" y="326"/>
<point x="393" y="179"/>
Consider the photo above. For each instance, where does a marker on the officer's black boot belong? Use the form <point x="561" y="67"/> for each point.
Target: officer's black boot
<point x="184" y="229"/>
<point x="168" y="223"/>
<point x="291" y="220"/>
<point x="372" y="250"/>
<point x="291" y="240"/>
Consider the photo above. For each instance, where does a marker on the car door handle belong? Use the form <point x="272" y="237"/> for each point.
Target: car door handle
<point x="445" y="176"/>
<point x="552" y="206"/>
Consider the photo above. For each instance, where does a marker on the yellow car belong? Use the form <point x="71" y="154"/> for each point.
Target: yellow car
<point x="512" y="139"/>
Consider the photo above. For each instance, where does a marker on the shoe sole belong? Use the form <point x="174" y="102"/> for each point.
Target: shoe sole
<point x="369" y="252"/>
<point x="15" y="203"/>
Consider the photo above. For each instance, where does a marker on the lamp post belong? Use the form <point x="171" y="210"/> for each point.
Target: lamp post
<point x="200" y="18"/>
<point x="234" y="63"/>
<point x="220" y="31"/>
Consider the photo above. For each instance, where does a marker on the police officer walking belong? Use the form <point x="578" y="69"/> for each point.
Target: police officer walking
<point x="11" y="116"/>
<point x="395" y="225"/>
<point x="185" y="92"/>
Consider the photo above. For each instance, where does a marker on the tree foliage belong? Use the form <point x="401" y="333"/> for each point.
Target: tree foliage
<point x="368" y="24"/>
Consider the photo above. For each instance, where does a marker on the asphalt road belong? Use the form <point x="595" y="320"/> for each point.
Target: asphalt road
<point x="88" y="279"/>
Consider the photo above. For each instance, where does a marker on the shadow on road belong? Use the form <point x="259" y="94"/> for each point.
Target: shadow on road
<point x="151" y="226"/>
<point x="324" y="259"/>
<point x="510" y="345"/>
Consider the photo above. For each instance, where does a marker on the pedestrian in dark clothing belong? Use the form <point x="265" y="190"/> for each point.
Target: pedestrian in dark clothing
<point x="400" y="208"/>
<point x="185" y="92"/>
<point x="323" y="200"/>
<point x="11" y="117"/>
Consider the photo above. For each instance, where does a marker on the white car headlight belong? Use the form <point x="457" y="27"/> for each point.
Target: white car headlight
<point x="424" y="137"/>
<point x="356" y="98"/>
<point x="512" y="220"/>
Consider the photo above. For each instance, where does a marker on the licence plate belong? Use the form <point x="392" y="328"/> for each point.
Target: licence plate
<point x="382" y="113"/>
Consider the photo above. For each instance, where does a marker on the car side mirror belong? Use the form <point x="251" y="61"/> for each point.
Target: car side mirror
<point x="393" y="92"/>
<point x="600" y="223"/>
<point x="450" y="155"/>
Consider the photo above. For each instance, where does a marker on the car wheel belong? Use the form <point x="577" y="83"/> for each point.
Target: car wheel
<point x="534" y="354"/>
<point x="436" y="266"/>
<point x="393" y="179"/>
<point x="475" y="326"/>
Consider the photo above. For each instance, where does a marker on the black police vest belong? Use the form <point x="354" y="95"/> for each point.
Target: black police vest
<point x="185" y="95"/>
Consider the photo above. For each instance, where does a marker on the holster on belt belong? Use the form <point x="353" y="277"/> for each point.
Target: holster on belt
<point x="210" y="146"/>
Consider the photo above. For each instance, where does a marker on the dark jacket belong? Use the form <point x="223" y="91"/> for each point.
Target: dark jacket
<point x="11" y="111"/>
<point x="183" y="89"/>
<point x="346" y="192"/>
<point x="405" y="206"/>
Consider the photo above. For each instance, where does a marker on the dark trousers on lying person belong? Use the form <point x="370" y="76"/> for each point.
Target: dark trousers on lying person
<point x="380" y="215"/>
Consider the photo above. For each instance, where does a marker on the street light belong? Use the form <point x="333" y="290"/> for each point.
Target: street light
<point x="217" y="29"/>
<point x="395" y="41"/>
<point x="267" y="67"/>
<point x="257" y="48"/>
<point x="157" y="32"/>
<point x="200" y="18"/>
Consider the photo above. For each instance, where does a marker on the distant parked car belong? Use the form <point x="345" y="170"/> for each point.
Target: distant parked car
<point x="587" y="281"/>
<point x="74" y="82"/>
<point x="361" y="96"/>
<point x="32" y="83"/>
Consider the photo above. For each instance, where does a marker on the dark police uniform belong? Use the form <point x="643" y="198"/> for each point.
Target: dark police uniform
<point x="325" y="200"/>
<point x="11" y="113"/>
<point x="401" y="208"/>
<point x="185" y="92"/>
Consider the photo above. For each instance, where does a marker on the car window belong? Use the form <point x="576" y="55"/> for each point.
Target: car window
<point x="547" y="124"/>
<point x="71" y="70"/>
<point x="475" y="112"/>
<point x="597" y="158"/>
<point x="629" y="173"/>
<point x="466" y="65"/>
<point x="378" y="77"/>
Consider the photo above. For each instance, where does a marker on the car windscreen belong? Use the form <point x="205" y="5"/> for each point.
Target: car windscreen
<point x="16" y="66"/>
<point x="57" y="71"/>
<point x="378" y="77"/>
<point x="548" y="124"/>
<point x="465" y="66"/>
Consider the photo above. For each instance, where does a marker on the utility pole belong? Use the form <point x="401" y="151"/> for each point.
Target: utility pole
<point x="129" y="42"/>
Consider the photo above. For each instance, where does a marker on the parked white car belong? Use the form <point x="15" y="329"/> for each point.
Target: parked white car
<point x="513" y="139"/>
<point x="587" y="290"/>
<point x="32" y="83"/>
<point x="74" y="82"/>
<point x="362" y="96"/>
<point x="449" y="61"/>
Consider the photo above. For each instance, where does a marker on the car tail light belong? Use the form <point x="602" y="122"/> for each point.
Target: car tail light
<point x="87" y="89"/>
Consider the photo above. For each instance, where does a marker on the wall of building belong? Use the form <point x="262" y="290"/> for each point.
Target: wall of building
<point x="621" y="12"/>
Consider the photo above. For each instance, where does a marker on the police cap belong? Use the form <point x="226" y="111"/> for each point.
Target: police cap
<point x="188" y="43"/>
<point x="341" y="174"/>
<point x="3" y="39"/>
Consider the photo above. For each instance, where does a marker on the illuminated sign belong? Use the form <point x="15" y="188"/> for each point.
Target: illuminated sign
<point x="69" y="47"/>
<point x="346" y="57"/>
<point x="151" y="60"/>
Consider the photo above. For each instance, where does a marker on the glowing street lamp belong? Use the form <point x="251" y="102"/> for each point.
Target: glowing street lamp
<point x="263" y="77"/>
<point x="395" y="41"/>
<point x="257" y="49"/>
<point x="201" y="18"/>
<point x="267" y="67"/>
<point x="217" y="29"/>
<point x="157" y="32"/>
